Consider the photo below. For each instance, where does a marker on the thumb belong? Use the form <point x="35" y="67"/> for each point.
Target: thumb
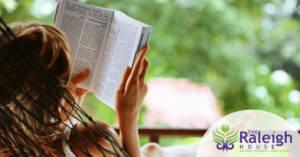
<point x="80" y="77"/>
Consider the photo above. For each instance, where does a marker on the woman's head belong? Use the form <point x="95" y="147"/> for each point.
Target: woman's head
<point x="49" y="46"/>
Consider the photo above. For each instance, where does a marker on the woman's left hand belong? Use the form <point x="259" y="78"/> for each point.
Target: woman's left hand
<point x="77" y="93"/>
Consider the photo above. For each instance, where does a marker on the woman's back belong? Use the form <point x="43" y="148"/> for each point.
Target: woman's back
<point x="76" y="147"/>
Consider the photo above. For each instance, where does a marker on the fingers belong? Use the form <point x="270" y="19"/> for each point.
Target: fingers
<point x="121" y="87"/>
<point x="80" y="77"/>
<point x="81" y="91"/>
<point x="145" y="90"/>
<point x="144" y="70"/>
<point x="137" y="66"/>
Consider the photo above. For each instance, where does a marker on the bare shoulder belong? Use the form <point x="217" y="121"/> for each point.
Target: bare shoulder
<point x="92" y="137"/>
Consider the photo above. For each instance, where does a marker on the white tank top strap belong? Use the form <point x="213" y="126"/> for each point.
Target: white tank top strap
<point x="67" y="132"/>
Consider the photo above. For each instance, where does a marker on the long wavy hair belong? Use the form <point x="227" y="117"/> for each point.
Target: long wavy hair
<point x="50" y="47"/>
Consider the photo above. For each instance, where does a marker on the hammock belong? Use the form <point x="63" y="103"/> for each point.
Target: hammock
<point x="7" y="117"/>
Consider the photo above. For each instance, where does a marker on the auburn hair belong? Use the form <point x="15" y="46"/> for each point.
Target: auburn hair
<point x="50" y="47"/>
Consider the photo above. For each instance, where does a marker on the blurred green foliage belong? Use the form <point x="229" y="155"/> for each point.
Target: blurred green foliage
<point x="233" y="45"/>
<point x="168" y="141"/>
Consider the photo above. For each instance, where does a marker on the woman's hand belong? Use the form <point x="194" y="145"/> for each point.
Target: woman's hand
<point x="128" y="100"/>
<point x="132" y="90"/>
<point x="77" y="93"/>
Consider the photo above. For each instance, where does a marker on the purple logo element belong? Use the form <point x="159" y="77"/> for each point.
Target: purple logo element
<point x="225" y="140"/>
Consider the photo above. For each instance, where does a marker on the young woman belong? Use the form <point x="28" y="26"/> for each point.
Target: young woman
<point x="50" y="47"/>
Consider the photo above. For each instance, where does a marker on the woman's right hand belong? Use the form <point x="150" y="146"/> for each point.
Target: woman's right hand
<point x="132" y="91"/>
<point x="128" y="100"/>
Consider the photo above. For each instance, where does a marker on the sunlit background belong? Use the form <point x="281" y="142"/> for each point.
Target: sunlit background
<point x="208" y="58"/>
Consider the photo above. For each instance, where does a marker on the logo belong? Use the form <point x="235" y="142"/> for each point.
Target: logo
<point x="225" y="141"/>
<point x="250" y="133"/>
<point x="259" y="139"/>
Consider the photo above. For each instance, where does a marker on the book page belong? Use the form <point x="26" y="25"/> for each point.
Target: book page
<point x="145" y="35"/>
<point x="120" y="49"/>
<point x="86" y="28"/>
<point x="146" y="31"/>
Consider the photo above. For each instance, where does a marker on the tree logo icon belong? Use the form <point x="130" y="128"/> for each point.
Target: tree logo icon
<point x="225" y="141"/>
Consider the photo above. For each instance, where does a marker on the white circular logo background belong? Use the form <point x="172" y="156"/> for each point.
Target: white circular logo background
<point x="250" y="133"/>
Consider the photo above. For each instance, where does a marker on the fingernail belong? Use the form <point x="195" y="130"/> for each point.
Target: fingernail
<point x="85" y="72"/>
<point x="125" y="69"/>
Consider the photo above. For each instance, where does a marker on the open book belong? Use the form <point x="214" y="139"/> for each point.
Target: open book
<point x="102" y="40"/>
